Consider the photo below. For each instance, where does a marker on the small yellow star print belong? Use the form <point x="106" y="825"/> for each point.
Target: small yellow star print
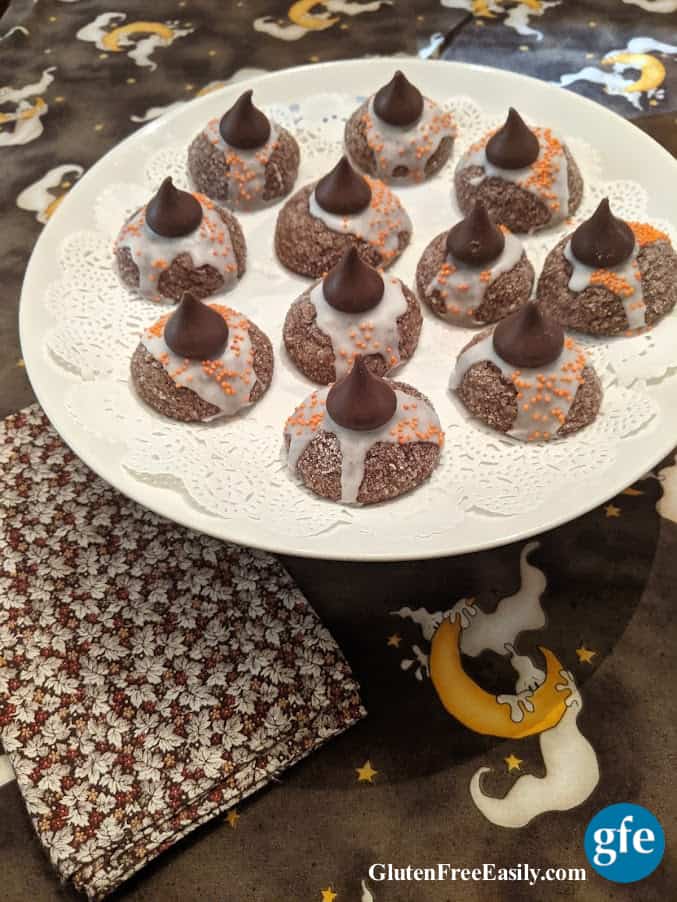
<point x="314" y="59"/>
<point x="328" y="895"/>
<point x="585" y="655"/>
<point x="366" y="773"/>
<point x="20" y="362"/>
<point x="233" y="817"/>
<point x="394" y="640"/>
<point x="612" y="511"/>
<point x="513" y="762"/>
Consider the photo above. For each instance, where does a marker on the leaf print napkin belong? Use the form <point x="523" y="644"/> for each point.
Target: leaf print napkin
<point x="150" y="677"/>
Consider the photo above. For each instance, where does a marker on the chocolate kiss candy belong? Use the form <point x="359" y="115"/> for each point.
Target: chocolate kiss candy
<point x="196" y="331"/>
<point x="398" y="102"/>
<point x="172" y="212"/>
<point x="352" y="286"/>
<point x="528" y="338"/>
<point x="603" y="240"/>
<point x="361" y="400"/>
<point x="475" y="240"/>
<point x="514" y="145"/>
<point x="343" y="190"/>
<point x="244" y="125"/>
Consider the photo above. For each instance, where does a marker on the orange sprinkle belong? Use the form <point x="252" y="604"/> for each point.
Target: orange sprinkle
<point x="646" y="234"/>
<point x="611" y="280"/>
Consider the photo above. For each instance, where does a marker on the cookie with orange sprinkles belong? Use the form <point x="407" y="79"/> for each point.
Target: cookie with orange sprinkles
<point x="363" y="440"/>
<point x="610" y="277"/>
<point x="202" y="362"/>
<point x="244" y="160"/>
<point x="398" y="135"/>
<point x="526" y="177"/>
<point x="526" y="379"/>
<point x="353" y="310"/>
<point x="321" y="221"/>
<point x="180" y="242"/>
<point x="475" y="273"/>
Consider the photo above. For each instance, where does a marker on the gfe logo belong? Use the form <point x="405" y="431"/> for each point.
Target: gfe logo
<point x="624" y="843"/>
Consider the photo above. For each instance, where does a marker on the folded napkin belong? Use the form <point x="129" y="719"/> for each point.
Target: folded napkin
<point x="150" y="677"/>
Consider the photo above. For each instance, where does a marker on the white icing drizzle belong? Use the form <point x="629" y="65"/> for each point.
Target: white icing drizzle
<point x="550" y="166"/>
<point x="373" y="332"/>
<point x="631" y="297"/>
<point x="411" y="145"/>
<point x="246" y="173"/>
<point x="225" y="381"/>
<point x="544" y="394"/>
<point x="209" y="243"/>
<point x="413" y="420"/>
<point x="379" y="224"/>
<point x="462" y="287"/>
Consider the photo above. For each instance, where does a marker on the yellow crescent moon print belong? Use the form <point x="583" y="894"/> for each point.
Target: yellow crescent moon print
<point x="301" y="19"/>
<point x="38" y="196"/>
<point x="112" y="39"/>
<point x="481" y="711"/>
<point x="515" y="14"/>
<point x="652" y="69"/>
<point x="299" y="13"/>
<point x="138" y="40"/>
<point x="30" y="111"/>
<point x="480" y="8"/>
<point x="487" y="9"/>
<point x="50" y="209"/>
<point x="212" y="86"/>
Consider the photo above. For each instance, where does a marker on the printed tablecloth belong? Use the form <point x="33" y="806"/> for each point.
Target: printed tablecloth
<point x="403" y="786"/>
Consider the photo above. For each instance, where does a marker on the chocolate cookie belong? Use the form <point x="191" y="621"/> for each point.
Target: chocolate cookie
<point x="323" y="335"/>
<point x="319" y="223"/>
<point x="525" y="197"/>
<point x="612" y="301"/>
<point x="398" y="135"/>
<point x="209" y="258"/>
<point x="245" y="175"/>
<point x="476" y="273"/>
<point x="200" y="390"/>
<point x="525" y="378"/>
<point x="384" y="469"/>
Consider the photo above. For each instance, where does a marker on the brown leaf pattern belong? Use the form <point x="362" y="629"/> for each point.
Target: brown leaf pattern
<point x="150" y="677"/>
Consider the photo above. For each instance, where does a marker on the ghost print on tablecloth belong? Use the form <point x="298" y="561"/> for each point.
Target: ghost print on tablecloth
<point x="544" y="703"/>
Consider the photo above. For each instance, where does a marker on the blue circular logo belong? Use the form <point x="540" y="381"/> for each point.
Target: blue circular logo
<point x="624" y="843"/>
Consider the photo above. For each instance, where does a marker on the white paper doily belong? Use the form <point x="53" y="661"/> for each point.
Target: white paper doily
<point x="232" y="476"/>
